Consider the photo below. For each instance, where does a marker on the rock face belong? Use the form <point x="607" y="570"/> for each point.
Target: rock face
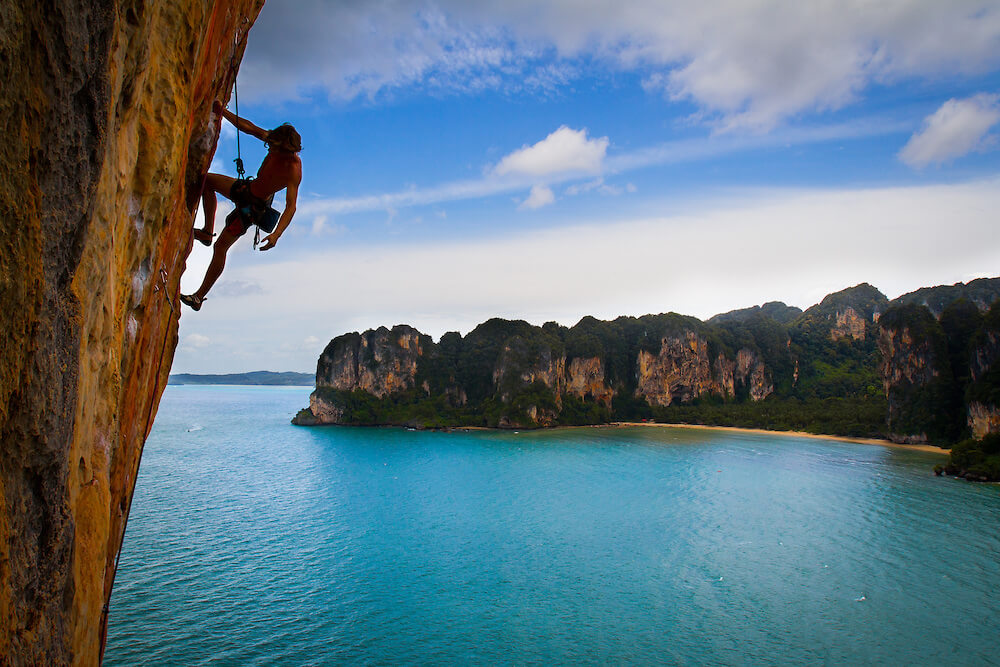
<point x="984" y="375"/>
<point x="109" y="105"/>
<point x="848" y="324"/>
<point x="983" y="419"/>
<point x="380" y="362"/>
<point x="513" y="375"/>
<point x="519" y="365"/>
<point x="585" y="378"/>
<point x="856" y="360"/>
<point x="681" y="372"/>
<point x="909" y="366"/>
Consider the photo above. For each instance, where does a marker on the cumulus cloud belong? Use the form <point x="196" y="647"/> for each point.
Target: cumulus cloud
<point x="958" y="128"/>
<point x="609" y="266"/>
<point x="743" y="63"/>
<point x="673" y="152"/>
<point x="231" y="288"/>
<point x="197" y="341"/>
<point x="565" y="150"/>
<point x="540" y="196"/>
<point x="600" y="186"/>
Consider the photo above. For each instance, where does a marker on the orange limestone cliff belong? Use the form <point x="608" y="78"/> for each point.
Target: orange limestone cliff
<point x="106" y="109"/>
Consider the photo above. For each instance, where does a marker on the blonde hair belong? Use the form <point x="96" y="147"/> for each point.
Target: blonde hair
<point x="285" y="137"/>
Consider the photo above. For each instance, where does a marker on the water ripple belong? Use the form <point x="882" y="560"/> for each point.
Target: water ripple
<point x="256" y="543"/>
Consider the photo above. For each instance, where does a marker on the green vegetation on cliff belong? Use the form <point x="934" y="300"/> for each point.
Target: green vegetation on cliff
<point x="855" y="364"/>
<point x="862" y="417"/>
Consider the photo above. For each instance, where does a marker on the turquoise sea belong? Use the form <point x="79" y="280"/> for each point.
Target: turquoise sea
<point x="255" y="542"/>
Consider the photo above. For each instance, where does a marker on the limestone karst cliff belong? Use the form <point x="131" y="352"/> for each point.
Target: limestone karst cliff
<point x="915" y="374"/>
<point x="983" y="391"/>
<point x="853" y="364"/>
<point x="107" y="114"/>
<point x="514" y="375"/>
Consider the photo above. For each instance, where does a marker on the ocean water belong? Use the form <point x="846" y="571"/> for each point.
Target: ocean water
<point x="254" y="542"/>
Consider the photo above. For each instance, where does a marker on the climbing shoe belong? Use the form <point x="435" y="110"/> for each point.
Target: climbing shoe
<point x="203" y="237"/>
<point x="192" y="301"/>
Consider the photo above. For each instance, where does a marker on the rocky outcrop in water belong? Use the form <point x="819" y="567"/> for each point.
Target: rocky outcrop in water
<point x="108" y="108"/>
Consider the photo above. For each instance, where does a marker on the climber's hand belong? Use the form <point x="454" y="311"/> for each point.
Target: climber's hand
<point x="217" y="108"/>
<point x="270" y="241"/>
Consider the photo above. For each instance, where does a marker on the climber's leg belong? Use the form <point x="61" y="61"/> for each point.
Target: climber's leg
<point x="213" y="183"/>
<point x="215" y="267"/>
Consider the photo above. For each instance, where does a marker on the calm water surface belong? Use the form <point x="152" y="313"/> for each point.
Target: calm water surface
<point x="254" y="542"/>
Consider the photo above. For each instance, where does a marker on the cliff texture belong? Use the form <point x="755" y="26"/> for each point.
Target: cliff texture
<point x="585" y="379"/>
<point x="983" y="393"/>
<point x="908" y="368"/>
<point x="680" y="371"/>
<point x="513" y="375"/>
<point x="107" y="111"/>
<point x="854" y="364"/>
<point x="983" y="419"/>
<point x="847" y="323"/>
<point x="379" y="362"/>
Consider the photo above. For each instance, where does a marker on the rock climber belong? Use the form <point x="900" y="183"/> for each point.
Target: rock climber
<point x="281" y="169"/>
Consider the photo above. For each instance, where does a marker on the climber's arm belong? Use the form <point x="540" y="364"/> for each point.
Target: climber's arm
<point x="291" y="196"/>
<point x="244" y="125"/>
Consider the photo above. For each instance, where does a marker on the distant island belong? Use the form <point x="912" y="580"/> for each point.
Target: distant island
<point x="254" y="377"/>
<point x="917" y="369"/>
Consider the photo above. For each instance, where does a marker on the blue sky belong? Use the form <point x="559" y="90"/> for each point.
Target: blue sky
<point x="550" y="160"/>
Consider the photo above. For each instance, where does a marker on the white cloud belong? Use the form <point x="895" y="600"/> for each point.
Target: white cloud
<point x="317" y="224"/>
<point x="743" y="63"/>
<point x="540" y="196"/>
<point x="726" y="254"/>
<point x="600" y="186"/>
<point x="673" y="152"/>
<point x="197" y="341"/>
<point x="958" y="128"/>
<point x="564" y="151"/>
<point x="232" y="288"/>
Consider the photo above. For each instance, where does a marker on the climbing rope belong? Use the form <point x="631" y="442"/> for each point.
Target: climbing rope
<point x="236" y="94"/>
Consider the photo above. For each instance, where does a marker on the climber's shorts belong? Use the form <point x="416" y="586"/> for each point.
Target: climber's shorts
<point x="238" y="223"/>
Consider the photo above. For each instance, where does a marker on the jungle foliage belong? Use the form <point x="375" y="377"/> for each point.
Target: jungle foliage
<point x="824" y="381"/>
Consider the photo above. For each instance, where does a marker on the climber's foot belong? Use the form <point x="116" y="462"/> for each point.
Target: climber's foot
<point x="203" y="236"/>
<point x="193" y="301"/>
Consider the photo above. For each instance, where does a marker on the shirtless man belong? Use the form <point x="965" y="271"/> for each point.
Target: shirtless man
<point x="281" y="169"/>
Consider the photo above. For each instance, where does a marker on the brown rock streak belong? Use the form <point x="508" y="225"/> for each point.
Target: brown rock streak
<point x="110" y="107"/>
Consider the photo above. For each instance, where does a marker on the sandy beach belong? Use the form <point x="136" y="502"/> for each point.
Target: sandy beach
<point x="931" y="449"/>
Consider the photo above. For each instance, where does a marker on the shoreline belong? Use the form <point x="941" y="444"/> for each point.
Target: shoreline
<point x="881" y="442"/>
